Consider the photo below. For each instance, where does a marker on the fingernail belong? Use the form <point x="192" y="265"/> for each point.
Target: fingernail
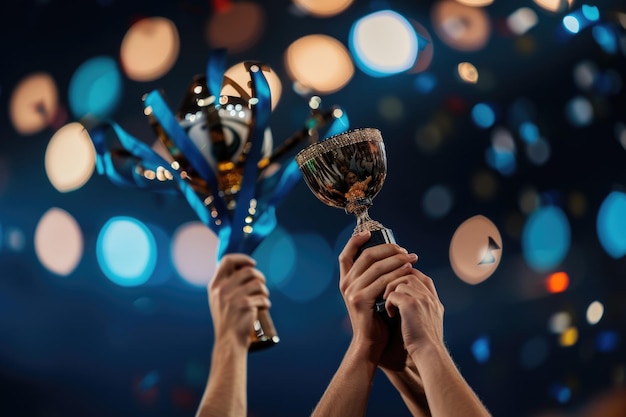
<point x="413" y="256"/>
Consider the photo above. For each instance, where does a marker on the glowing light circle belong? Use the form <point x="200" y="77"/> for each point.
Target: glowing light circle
<point x="320" y="63"/>
<point x="237" y="27"/>
<point x="475" y="249"/>
<point x="323" y="8"/>
<point x="461" y="27"/>
<point x="70" y="158"/>
<point x="546" y="238"/>
<point x="611" y="224"/>
<point x="241" y="77"/>
<point x="33" y="103"/>
<point x="95" y="88"/>
<point x="126" y="251"/>
<point x="59" y="241"/>
<point x="383" y="43"/>
<point x="194" y="253"/>
<point x="149" y="48"/>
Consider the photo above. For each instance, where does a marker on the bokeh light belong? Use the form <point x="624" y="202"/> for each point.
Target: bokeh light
<point x="538" y="152"/>
<point x="319" y="63"/>
<point x="569" y="337"/>
<point x="276" y="257"/>
<point x="579" y="111"/>
<point x="391" y="109"/>
<point x="522" y="20"/>
<point x="59" y="241"/>
<point x="383" y="43"/>
<point x="594" y="312"/>
<point x="95" y="88"/>
<point x="459" y="26"/>
<point x="315" y="266"/>
<point x="476" y="3"/>
<point x="546" y="238"/>
<point x="34" y="103"/>
<point x="323" y="8"/>
<point x="475" y="249"/>
<point x="559" y="322"/>
<point x="237" y="27"/>
<point x="437" y="201"/>
<point x="149" y="48"/>
<point x="483" y="115"/>
<point x="554" y="5"/>
<point x="126" y="251"/>
<point x="467" y="72"/>
<point x="194" y="253"/>
<point x="70" y="158"/>
<point x="607" y="341"/>
<point x="611" y="224"/>
<point x="241" y="78"/>
<point x="425" y="48"/>
<point x="481" y="349"/>
<point x="557" y="282"/>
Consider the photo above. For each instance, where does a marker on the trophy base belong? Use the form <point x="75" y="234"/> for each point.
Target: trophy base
<point x="264" y="333"/>
<point x="378" y="237"/>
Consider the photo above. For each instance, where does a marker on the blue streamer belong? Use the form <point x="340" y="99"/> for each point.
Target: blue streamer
<point x="170" y="125"/>
<point x="215" y="72"/>
<point x="260" y="119"/>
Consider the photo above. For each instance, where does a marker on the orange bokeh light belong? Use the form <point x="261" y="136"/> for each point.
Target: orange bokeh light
<point x="557" y="282"/>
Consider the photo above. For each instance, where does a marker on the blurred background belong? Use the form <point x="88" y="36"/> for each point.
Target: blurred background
<point x="502" y="121"/>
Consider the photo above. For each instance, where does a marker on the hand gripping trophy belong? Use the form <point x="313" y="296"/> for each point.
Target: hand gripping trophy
<point x="347" y="171"/>
<point x="215" y="151"/>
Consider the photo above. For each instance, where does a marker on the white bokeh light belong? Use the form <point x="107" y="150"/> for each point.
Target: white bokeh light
<point x="58" y="241"/>
<point x="383" y="43"/>
<point x="194" y="253"/>
<point x="70" y="158"/>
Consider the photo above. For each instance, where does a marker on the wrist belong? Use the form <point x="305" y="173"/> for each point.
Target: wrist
<point x="365" y="350"/>
<point x="422" y="353"/>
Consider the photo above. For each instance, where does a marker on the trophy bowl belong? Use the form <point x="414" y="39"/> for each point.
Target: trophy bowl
<point x="347" y="171"/>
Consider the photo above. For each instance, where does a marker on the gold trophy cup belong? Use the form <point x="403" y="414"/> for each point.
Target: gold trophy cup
<point x="347" y="171"/>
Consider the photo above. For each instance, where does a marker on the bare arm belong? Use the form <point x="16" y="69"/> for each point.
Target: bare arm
<point x="349" y="389"/>
<point x="236" y="292"/>
<point x="361" y="282"/>
<point x="415" y="299"/>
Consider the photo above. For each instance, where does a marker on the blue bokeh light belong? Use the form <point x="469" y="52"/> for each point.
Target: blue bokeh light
<point x="606" y="38"/>
<point x="95" y="89"/>
<point x="276" y="257"/>
<point x="483" y="115"/>
<point x="591" y="13"/>
<point x="546" y="238"/>
<point x="502" y="160"/>
<point x="607" y="341"/>
<point x="425" y="82"/>
<point x="481" y="349"/>
<point x="529" y="132"/>
<point x="314" y="269"/>
<point x="126" y="251"/>
<point x="571" y="23"/>
<point x="611" y="224"/>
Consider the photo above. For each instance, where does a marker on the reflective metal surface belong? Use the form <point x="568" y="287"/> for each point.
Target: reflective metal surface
<point x="347" y="171"/>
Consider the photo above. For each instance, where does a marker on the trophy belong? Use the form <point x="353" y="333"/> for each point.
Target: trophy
<point x="215" y="150"/>
<point x="347" y="171"/>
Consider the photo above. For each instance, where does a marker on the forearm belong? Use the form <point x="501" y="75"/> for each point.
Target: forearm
<point x="349" y="389"/>
<point x="225" y="393"/>
<point x="409" y="385"/>
<point x="447" y="391"/>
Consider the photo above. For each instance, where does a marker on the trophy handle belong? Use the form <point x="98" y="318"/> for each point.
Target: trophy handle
<point x="264" y="333"/>
<point x="378" y="237"/>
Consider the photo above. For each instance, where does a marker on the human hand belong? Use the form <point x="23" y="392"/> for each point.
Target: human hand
<point x="236" y="292"/>
<point x="361" y="284"/>
<point x="415" y="298"/>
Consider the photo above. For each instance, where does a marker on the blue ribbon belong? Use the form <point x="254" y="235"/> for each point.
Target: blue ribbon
<point x="260" y="119"/>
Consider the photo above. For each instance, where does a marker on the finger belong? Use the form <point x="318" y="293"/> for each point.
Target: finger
<point x="377" y="283"/>
<point x="254" y="287"/>
<point x="428" y="282"/>
<point x="394" y="302"/>
<point x="259" y="301"/>
<point x="232" y="262"/>
<point x="376" y="261"/>
<point x="346" y="257"/>
<point x="245" y="274"/>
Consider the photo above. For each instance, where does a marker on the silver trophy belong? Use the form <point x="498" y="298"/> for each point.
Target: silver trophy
<point x="347" y="171"/>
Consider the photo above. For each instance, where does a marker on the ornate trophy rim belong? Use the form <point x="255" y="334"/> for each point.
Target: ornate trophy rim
<point x="366" y="134"/>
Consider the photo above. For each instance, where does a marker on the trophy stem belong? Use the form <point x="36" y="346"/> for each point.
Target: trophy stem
<point x="360" y="208"/>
